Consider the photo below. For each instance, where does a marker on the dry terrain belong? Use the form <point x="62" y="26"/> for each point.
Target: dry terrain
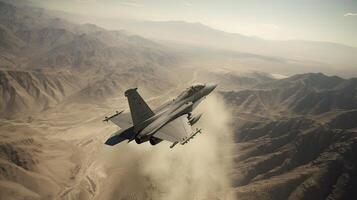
<point x="265" y="136"/>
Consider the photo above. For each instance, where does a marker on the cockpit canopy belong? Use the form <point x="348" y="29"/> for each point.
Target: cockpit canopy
<point x="191" y="90"/>
<point x="195" y="88"/>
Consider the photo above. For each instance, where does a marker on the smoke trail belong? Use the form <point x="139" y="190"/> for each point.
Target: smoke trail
<point x="197" y="170"/>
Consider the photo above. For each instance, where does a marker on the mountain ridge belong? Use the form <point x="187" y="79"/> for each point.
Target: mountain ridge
<point x="298" y="97"/>
<point x="38" y="41"/>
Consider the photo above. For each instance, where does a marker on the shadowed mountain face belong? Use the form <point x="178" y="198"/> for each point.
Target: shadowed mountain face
<point x="32" y="39"/>
<point x="28" y="92"/>
<point x="24" y="91"/>
<point x="299" y="94"/>
<point x="57" y="81"/>
<point x="74" y="60"/>
<point x="296" y="139"/>
<point x="295" y="159"/>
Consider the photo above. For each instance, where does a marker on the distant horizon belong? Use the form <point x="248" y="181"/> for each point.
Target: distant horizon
<point x="323" y="21"/>
<point x="197" y="22"/>
<point x="215" y="45"/>
<point x="251" y="36"/>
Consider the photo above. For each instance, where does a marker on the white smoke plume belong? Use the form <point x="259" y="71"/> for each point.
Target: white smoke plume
<point x="197" y="170"/>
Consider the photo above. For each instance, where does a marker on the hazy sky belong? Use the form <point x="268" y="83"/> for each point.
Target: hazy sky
<point x="320" y="20"/>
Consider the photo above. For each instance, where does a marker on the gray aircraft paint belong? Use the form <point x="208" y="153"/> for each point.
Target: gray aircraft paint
<point x="164" y="123"/>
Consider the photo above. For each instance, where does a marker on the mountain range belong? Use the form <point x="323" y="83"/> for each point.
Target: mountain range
<point x="290" y="137"/>
<point x="32" y="39"/>
<point x="327" y="57"/>
<point x="45" y="60"/>
<point x="296" y="138"/>
<point x="299" y="94"/>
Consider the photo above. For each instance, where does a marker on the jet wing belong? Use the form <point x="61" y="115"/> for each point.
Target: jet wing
<point x="123" y="120"/>
<point x="120" y="136"/>
<point x="175" y="131"/>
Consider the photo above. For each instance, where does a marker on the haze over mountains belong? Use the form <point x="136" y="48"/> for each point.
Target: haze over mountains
<point x="316" y="56"/>
<point x="31" y="39"/>
<point x="266" y="135"/>
<point x="230" y="49"/>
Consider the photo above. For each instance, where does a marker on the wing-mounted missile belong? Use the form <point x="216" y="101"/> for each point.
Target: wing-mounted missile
<point x="187" y="139"/>
<point x="173" y="144"/>
<point x="191" y="136"/>
<point x="116" y="114"/>
<point x="194" y="119"/>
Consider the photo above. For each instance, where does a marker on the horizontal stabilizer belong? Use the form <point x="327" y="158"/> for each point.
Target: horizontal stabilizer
<point x="123" y="120"/>
<point x="121" y="135"/>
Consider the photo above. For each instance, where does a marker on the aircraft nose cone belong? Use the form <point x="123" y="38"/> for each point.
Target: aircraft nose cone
<point x="211" y="87"/>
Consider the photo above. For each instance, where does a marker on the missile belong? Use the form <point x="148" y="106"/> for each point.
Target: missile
<point x="195" y="119"/>
<point x="173" y="144"/>
<point x="191" y="136"/>
<point x="116" y="114"/>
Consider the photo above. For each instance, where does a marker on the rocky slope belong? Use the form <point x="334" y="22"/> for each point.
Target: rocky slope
<point x="300" y="94"/>
<point x="59" y="81"/>
<point x="24" y="92"/>
<point x="295" y="139"/>
<point x="112" y="84"/>
<point x="32" y="39"/>
<point x="230" y="79"/>
<point x="29" y="163"/>
<point x="45" y="60"/>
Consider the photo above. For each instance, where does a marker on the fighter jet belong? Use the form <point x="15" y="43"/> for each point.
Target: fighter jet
<point x="171" y="122"/>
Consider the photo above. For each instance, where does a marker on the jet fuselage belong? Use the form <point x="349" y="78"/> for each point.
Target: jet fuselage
<point x="182" y="105"/>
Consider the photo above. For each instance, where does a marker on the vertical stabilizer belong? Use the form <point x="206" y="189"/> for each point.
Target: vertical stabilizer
<point x="139" y="110"/>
